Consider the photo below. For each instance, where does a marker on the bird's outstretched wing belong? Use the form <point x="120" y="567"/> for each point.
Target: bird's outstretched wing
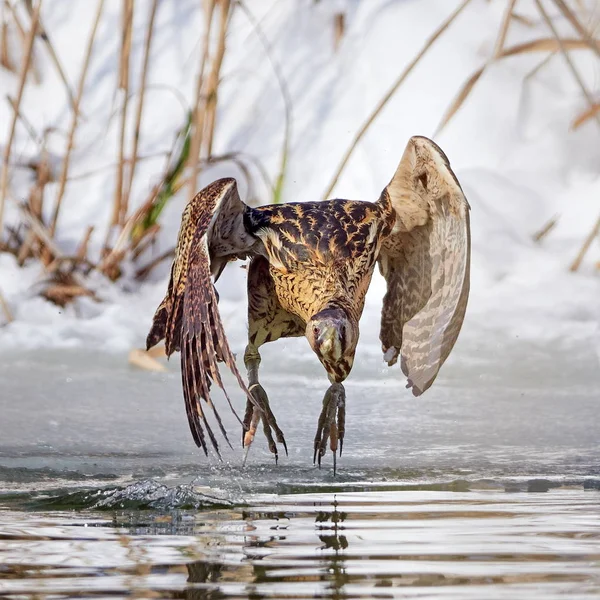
<point x="425" y="261"/>
<point x="212" y="233"/>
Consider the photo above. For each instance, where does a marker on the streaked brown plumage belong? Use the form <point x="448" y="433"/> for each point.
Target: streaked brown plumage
<point x="310" y="267"/>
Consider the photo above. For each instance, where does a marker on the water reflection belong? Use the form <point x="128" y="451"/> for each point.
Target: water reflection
<point x="485" y="544"/>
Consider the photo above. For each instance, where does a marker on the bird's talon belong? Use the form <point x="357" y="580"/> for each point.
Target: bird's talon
<point x="256" y="411"/>
<point x="331" y="424"/>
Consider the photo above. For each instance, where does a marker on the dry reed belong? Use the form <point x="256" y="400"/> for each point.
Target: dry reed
<point x="197" y="121"/>
<point x="141" y="96"/>
<point x="120" y="206"/>
<point x="33" y="71"/>
<point x="212" y="81"/>
<point x="6" y="60"/>
<point x="75" y="119"/>
<point x="538" y="236"/>
<point x="11" y="135"/>
<point x="594" y="233"/>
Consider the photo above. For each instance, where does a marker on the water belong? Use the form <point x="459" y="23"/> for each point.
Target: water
<point x="488" y="487"/>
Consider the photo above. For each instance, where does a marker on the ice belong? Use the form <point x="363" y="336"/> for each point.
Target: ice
<point x="502" y="408"/>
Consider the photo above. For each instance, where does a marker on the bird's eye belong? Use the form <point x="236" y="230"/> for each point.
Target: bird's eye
<point x="315" y="331"/>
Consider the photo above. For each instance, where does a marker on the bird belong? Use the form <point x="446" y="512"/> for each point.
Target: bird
<point x="310" y="266"/>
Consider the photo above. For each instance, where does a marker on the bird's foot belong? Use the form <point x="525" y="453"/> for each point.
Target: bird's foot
<point x="261" y="411"/>
<point x="332" y="423"/>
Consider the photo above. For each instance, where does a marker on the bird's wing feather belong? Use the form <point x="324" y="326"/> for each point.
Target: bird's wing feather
<point x="212" y="232"/>
<point x="425" y="261"/>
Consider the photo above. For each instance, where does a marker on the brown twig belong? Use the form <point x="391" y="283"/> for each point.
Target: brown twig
<point x="595" y="232"/>
<point x="74" y="120"/>
<point x="365" y="126"/>
<point x="141" y="97"/>
<point x="11" y="135"/>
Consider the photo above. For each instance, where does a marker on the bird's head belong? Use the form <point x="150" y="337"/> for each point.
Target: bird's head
<point x="333" y="337"/>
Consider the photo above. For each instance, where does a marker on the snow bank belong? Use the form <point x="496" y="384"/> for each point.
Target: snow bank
<point x="511" y="146"/>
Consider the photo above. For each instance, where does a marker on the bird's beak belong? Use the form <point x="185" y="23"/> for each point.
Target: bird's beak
<point x="326" y="339"/>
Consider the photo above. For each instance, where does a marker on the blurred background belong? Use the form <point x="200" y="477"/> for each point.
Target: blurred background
<point x="115" y="112"/>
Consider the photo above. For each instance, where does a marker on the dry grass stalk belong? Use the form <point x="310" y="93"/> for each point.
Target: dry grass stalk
<point x="5" y="58"/>
<point x="120" y="206"/>
<point x="22" y="78"/>
<point x="585" y="116"/>
<point x="54" y="57"/>
<point x="110" y="263"/>
<point x="82" y="250"/>
<point x="339" y="28"/>
<point x="5" y="309"/>
<point x="594" y="233"/>
<point x="24" y="121"/>
<point x="501" y="39"/>
<point x="38" y="228"/>
<point x="197" y="112"/>
<point x="365" y="126"/>
<point x="579" y="28"/>
<point x="36" y="203"/>
<point x="212" y="83"/>
<point x="541" y="45"/>
<point x="33" y="71"/>
<point x="564" y="51"/>
<point x="545" y="230"/>
<point x="523" y="19"/>
<point x="141" y="96"/>
<point x="75" y="119"/>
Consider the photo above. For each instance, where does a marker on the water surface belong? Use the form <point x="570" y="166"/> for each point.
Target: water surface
<point x="487" y="487"/>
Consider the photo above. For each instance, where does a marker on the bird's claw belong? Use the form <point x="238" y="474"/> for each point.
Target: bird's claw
<point x="256" y="411"/>
<point x="331" y="424"/>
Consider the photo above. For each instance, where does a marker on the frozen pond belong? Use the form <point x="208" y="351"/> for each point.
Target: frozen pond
<point x="488" y="486"/>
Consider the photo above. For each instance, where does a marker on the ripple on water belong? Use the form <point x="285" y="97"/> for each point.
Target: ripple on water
<point x="408" y="544"/>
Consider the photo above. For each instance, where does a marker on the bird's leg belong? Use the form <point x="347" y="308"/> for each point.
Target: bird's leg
<point x="332" y="423"/>
<point x="260" y="409"/>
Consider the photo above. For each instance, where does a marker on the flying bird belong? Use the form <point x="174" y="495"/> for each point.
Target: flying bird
<point x="310" y="266"/>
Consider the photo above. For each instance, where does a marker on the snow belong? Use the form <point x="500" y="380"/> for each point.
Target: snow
<point x="511" y="146"/>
